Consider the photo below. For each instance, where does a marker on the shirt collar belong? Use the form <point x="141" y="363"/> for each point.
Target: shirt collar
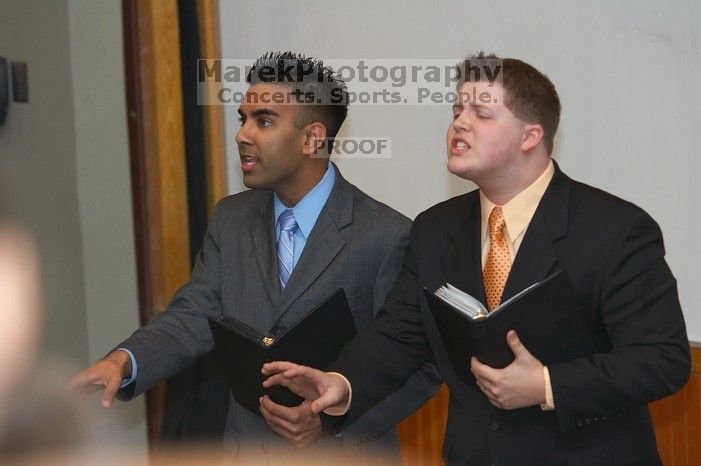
<point x="519" y="211"/>
<point x="307" y="210"/>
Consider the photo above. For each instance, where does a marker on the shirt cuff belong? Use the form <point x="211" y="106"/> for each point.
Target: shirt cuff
<point x="340" y="410"/>
<point x="549" y="404"/>
<point x="130" y="380"/>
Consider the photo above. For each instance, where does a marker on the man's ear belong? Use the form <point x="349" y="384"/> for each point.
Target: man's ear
<point x="532" y="135"/>
<point x="314" y="138"/>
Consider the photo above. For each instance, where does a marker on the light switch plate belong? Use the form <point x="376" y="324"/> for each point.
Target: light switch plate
<point x="4" y="89"/>
<point x="20" y="82"/>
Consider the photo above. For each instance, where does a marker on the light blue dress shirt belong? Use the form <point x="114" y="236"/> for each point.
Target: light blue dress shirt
<point x="306" y="212"/>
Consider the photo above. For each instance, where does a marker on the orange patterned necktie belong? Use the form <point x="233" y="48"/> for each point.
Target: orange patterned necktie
<point x="498" y="265"/>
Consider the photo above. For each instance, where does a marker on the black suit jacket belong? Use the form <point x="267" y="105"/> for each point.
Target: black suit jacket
<point x="614" y="255"/>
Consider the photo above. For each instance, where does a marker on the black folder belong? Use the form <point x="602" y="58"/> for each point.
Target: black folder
<point x="547" y="318"/>
<point x="315" y="340"/>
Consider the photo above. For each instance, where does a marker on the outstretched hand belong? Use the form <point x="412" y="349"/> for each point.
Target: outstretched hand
<point x="106" y="373"/>
<point x="323" y="389"/>
<point x="518" y="385"/>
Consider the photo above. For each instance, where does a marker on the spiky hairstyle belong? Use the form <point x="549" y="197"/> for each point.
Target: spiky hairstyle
<point x="322" y="95"/>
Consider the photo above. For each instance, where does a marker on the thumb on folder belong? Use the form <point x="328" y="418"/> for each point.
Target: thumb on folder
<point x="518" y="385"/>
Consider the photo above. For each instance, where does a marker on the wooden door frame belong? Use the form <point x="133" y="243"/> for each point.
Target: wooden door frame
<point x="157" y="154"/>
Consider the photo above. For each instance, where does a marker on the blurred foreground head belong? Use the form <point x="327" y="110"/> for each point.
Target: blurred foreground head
<point x="19" y="308"/>
<point x="37" y="414"/>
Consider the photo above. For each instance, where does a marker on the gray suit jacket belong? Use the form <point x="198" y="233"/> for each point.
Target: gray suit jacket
<point x="357" y="244"/>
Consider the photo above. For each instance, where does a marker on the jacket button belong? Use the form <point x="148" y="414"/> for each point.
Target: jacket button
<point x="494" y="426"/>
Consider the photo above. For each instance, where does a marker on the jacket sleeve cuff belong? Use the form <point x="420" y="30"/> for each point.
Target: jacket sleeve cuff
<point x="549" y="404"/>
<point x="130" y="380"/>
<point x="340" y="409"/>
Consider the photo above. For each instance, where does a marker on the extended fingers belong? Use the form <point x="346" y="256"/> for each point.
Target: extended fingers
<point x="95" y="379"/>
<point x="111" y="389"/>
<point x="275" y="379"/>
<point x="276" y="367"/>
<point x="290" y="369"/>
<point x="85" y="382"/>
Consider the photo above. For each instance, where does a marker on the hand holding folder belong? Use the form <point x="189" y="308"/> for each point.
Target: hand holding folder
<point x="546" y="317"/>
<point x="315" y="340"/>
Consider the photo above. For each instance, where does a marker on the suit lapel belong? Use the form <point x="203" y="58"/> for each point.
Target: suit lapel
<point x="462" y="258"/>
<point x="323" y="245"/>
<point x="536" y="256"/>
<point x="534" y="260"/>
<point x="264" y="249"/>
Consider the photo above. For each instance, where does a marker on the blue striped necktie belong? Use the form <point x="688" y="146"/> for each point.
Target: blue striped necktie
<point x="285" y="246"/>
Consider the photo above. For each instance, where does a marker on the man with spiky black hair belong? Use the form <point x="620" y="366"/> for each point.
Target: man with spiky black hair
<point x="272" y="253"/>
<point x="312" y="83"/>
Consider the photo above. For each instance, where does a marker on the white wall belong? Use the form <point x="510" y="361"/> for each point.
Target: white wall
<point x="627" y="73"/>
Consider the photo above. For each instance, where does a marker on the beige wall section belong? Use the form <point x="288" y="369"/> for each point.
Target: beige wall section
<point x="104" y="187"/>
<point x="65" y="156"/>
<point x="37" y="160"/>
